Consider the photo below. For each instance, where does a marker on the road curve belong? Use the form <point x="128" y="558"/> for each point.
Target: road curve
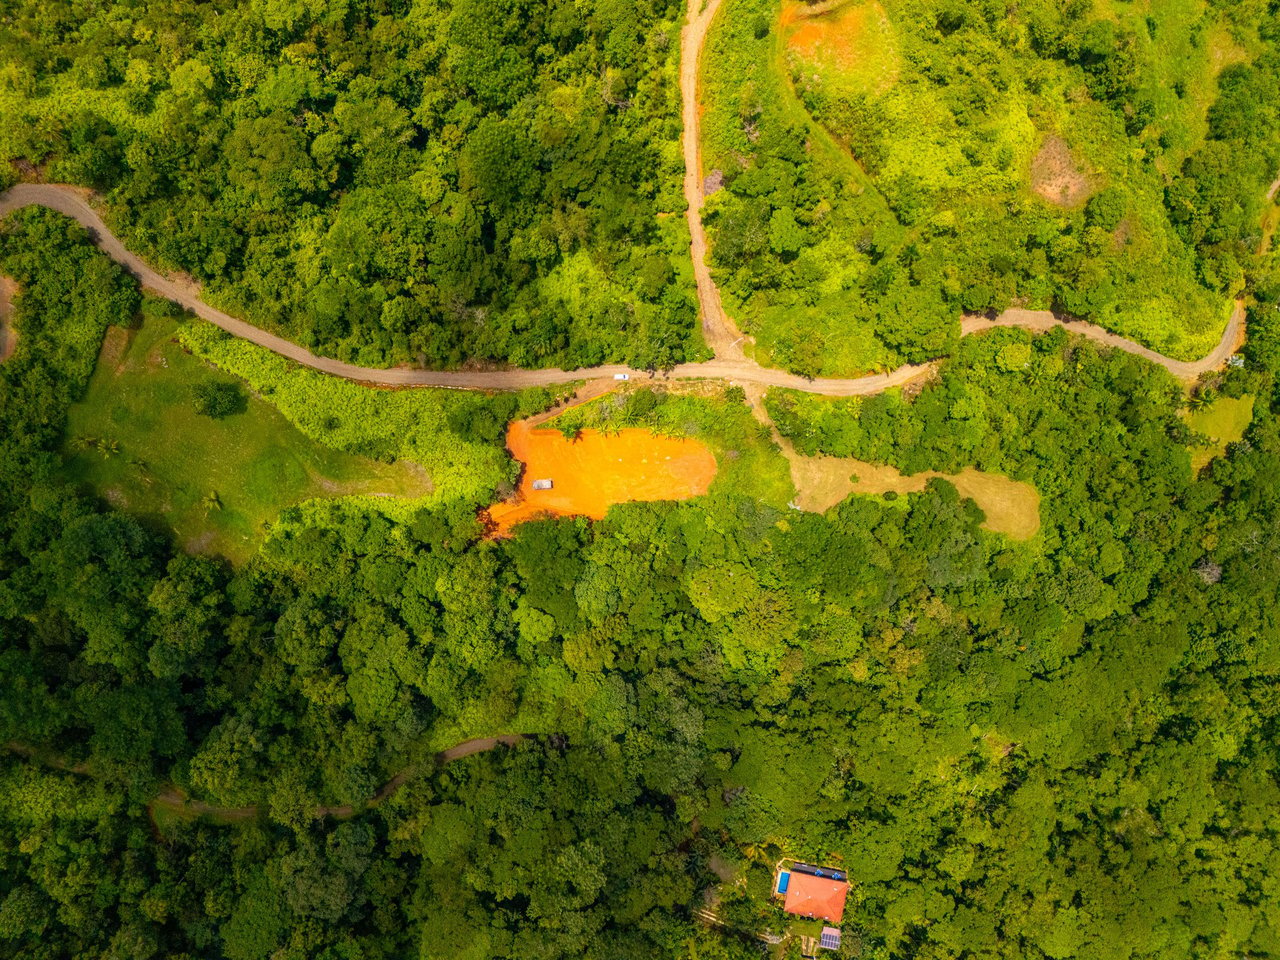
<point x="74" y="202"/>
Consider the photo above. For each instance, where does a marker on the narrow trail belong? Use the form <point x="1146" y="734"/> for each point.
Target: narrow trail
<point x="729" y="364"/>
<point x="173" y="799"/>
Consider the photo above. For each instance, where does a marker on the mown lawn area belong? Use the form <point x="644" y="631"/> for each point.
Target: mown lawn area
<point x="1223" y="422"/>
<point x="138" y="440"/>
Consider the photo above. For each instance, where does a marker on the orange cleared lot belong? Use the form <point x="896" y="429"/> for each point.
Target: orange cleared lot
<point x="593" y="471"/>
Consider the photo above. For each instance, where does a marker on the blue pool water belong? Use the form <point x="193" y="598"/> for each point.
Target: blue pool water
<point x="784" y="878"/>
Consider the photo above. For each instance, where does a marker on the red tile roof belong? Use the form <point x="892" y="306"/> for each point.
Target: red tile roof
<point x="810" y="896"/>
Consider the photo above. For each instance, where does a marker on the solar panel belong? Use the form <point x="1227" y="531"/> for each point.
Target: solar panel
<point x="830" y="939"/>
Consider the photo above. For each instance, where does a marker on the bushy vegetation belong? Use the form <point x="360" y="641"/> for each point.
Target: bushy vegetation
<point x="1059" y="749"/>
<point x="379" y="180"/>
<point x="1065" y="748"/>
<point x="915" y="162"/>
<point x="457" y="435"/>
<point x="218" y="400"/>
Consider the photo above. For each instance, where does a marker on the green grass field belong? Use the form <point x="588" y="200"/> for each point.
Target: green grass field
<point x="137" y="440"/>
<point x="1223" y="422"/>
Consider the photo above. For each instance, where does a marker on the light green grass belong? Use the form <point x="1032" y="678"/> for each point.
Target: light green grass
<point x="800" y="927"/>
<point x="457" y="435"/>
<point x="167" y="459"/>
<point x="1222" y="422"/>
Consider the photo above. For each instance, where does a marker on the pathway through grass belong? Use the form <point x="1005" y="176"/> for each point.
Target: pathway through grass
<point x="137" y="439"/>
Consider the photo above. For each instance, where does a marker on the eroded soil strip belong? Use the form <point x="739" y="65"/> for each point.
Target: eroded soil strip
<point x="8" y="336"/>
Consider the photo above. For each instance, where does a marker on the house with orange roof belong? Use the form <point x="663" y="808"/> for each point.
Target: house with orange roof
<point x="815" y="892"/>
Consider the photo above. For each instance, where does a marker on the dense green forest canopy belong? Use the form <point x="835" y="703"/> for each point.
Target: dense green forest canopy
<point x="1058" y="749"/>
<point x="384" y="181"/>
<point x="1052" y="749"/>
<point x="878" y="168"/>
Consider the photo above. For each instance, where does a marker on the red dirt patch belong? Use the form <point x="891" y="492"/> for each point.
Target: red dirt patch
<point x="8" y="335"/>
<point x="853" y="41"/>
<point x="1055" y="176"/>
<point x="595" y="470"/>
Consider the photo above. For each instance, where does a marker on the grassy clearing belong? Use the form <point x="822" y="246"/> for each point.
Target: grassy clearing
<point x="457" y="435"/>
<point x="1011" y="506"/>
<point x="137" y="439"/>
<point x="1222" y="422"/>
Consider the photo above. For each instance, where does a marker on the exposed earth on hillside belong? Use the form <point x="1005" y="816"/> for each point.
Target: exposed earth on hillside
<point x="851" y="44"/>
<point x="8" y="336"/>
<point x="1055" y="175"/>
<point x="592" y="471"/>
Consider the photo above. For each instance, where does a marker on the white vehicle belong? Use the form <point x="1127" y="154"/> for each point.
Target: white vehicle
<point x="622" y="376"/>
<point x="542" y="484"/>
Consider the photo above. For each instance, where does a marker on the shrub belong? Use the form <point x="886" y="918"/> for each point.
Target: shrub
<point x="217" y="399"/>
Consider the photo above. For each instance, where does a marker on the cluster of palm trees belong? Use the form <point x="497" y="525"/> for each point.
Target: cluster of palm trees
<point x="107" y="447"/>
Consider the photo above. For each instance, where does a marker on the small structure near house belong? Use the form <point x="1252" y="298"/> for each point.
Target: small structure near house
<point x="815" y="892"/>
<point x="543" y="484"/>
<point x="830" y="939"/>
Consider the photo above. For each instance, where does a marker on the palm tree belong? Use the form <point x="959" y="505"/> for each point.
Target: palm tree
<point x="1200" y="399"/>
<point x="211" y="501"/>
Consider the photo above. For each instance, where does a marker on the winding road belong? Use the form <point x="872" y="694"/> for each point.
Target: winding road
<point x="721" y="334"/>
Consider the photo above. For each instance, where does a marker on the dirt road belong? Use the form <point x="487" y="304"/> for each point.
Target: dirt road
<point x="1042" y="321"/>
<point x="8" y="336"/>
<point x="720" y="332"/>
<point x="74" y="202"/>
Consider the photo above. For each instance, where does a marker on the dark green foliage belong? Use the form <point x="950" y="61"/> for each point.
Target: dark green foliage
<point x="385" y="182"/>
<point x="1015" y="750"/>
<point x="1058" y="749"/>
<point x="871" y="200"/>
<point x="217" y="399"/>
